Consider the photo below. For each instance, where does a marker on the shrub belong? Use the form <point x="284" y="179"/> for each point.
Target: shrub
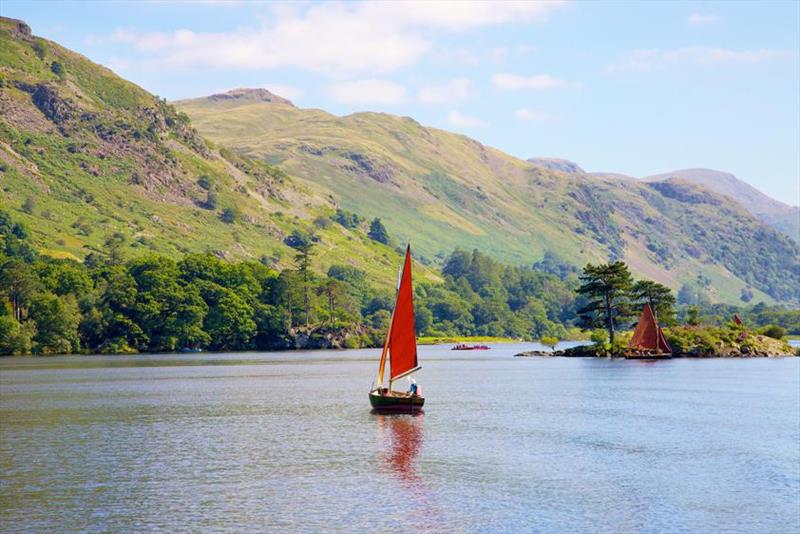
<point x="57" y="69"/>
<point x="774" y="331"/>
<point x="230" y="215"/>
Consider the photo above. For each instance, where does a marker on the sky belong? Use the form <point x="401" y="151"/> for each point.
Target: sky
<point x="626" y="87"/>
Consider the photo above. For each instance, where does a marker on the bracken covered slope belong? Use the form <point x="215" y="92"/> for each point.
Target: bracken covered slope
<point x="444" y="190"/>
<point x="779" y="215"/>
<point x="86" y="155"/>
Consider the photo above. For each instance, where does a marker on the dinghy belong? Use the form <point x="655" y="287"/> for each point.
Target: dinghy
<point x="648" y="341"/>
<point x="400" y="350"/>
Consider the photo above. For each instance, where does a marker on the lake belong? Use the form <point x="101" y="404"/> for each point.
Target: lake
<point x="276" y="442"/>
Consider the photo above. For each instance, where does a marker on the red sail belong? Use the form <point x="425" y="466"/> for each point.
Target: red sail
<point x="648" y="335"/>
<point x="402" y="343"/>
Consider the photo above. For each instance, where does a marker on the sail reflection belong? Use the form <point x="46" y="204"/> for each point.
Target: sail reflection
<point x="401" y="438"/>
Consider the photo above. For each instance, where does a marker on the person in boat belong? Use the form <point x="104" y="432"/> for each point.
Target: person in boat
<point x="412" y="388"/>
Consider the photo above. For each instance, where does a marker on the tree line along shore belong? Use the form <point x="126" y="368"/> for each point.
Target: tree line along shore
<point x="111" y="303"/>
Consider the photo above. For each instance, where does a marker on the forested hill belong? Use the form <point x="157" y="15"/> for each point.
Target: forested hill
<point x="89" y="160"/>
<point x="446" y="190"/>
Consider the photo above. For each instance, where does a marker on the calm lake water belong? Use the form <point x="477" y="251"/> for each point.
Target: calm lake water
<point x="272" y="442"/>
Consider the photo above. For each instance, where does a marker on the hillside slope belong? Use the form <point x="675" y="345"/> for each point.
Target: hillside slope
<point x="444" y="190"/>
<point x="86" y="156"/>
<point x="782" y="217"/>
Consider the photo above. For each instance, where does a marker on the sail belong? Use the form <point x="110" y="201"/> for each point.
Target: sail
<point x="648" y="335"/>
<point x="402" y="343"/>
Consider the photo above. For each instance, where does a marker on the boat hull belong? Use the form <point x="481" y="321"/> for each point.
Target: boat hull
<point x="395" y="401"/>
<point x="666" y="356"/>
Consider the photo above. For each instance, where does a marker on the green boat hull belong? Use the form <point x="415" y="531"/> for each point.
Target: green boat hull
<point x="395" y="401"/>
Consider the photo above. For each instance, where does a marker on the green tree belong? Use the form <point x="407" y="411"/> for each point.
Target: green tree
<point x="15" y="337"/>
<point x="57" y="322"/>
<point x="549" y="341"/>
<point x="377" y="232"/>
<point x="659" y="297"/>
<point x="605" y="288"/>
<point x="303" y="262"/>
<point x="18" y="284"/>
<point x="229" y="321"/>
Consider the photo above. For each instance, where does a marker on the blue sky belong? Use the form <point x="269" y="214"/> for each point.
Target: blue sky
<point x="635" y="88"/>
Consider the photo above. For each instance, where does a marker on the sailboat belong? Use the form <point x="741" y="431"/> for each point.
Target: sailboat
<point x="648" y="341"/>
<point x="400" y="349"/>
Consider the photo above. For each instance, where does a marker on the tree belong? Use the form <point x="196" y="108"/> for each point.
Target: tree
<point x="19" y="284"/>
<point x="57" y="322"/>
<point x="606" y="288"/>
<point x="549" y="341"/>
<point x="303" y="261"/>
<point x="377" y="232"/>
<point x="659" y="297"/>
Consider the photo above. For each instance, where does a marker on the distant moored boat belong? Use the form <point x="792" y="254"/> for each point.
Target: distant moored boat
<point x="648" y="341"/>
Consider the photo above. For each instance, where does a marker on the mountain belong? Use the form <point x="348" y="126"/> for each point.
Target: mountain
<point x="86" y="156"/>
<point x="557" y="164"/>
<point x="782" y="217"/>
<point x="443" y="190"/>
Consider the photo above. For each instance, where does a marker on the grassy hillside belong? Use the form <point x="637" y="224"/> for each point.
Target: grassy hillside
<point x="775" y="213"/>
<point x="86" y="156"/>
<point x="444" y="190"/>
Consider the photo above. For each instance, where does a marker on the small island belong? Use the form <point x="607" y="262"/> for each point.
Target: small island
<point x="690" y="341"/>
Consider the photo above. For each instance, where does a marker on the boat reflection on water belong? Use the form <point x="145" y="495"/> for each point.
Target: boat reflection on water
<point x="401" y="438"/>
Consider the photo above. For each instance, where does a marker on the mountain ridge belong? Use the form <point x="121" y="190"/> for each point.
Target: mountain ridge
<point x="447" y="190"/>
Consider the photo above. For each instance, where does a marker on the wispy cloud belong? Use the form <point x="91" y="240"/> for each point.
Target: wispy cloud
<point x="537" y="82"/>
<point x="454" y="91"/>
<point x="699" y="19"/>
<point x="369" y="91"/>
<point x="330" y="37"/>
<point x="532" y="115"/>
<point x="459" y="120"/>
<point x="655" y="59"/>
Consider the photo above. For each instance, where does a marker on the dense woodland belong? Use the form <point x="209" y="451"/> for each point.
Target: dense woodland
<point x="110" y="303"/>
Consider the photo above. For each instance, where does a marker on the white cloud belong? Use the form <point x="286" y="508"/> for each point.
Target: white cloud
<point x="654" y="59"/>
<point x="514" y="82"/>
<point x="370" y="91"/>
<point x="532" y="115"/>
<point x="454" y="91"/>
<point x="698" y="19"/>
<point x="464" y="121"/>
<point x="330" y="37"/>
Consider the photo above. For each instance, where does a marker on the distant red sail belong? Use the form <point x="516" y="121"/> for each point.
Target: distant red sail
<point x="402" y="342"/>
<point x="648" y="335"/>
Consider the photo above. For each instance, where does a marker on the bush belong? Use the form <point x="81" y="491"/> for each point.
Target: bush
<point x="298" y="239"/>
<point x="57" y="69"/>
<point x="206" y="182"/>
<point x="774" y="331"/>
<point x="230" y="215"/>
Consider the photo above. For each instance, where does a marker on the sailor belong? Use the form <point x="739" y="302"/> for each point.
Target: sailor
<point x="412" y="389"/>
